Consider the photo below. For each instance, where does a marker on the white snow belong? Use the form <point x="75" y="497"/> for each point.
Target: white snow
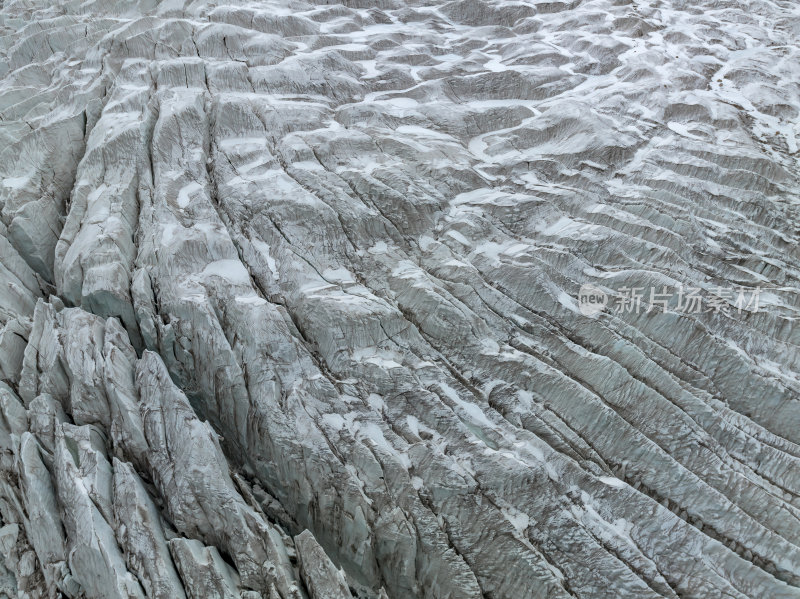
<point x="611" y="481"/>
<point x="186" y="193"/>
<point x="231" y="270"/>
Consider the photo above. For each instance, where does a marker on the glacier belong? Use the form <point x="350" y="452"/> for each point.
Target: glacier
<point x="292" y="299"/>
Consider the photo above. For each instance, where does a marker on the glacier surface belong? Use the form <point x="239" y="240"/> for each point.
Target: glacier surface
<point x="290" y="299"/>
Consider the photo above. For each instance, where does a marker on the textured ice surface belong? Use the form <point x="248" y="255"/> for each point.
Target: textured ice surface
<point x="290" y="299"/>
